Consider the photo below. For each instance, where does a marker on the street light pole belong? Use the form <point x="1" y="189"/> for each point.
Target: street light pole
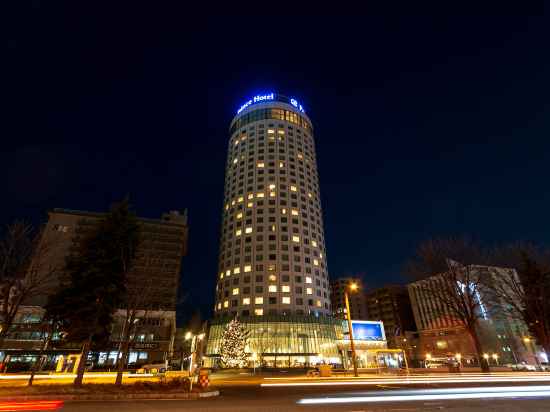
<point x="348" y="315"/>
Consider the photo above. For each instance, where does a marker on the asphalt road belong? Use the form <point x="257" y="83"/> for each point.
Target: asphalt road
<point x="356" y="398"/>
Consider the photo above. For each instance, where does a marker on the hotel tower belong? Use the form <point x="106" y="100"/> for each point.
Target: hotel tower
<point x="272" y="272"/>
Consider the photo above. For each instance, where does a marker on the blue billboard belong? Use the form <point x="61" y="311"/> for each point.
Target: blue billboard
<point x="365" y="330"/>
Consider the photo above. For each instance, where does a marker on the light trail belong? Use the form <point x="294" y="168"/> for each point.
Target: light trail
<point x="437" y="394"/>
<point x="72" y="375"/>
<point x="31" y="406"/>
<point x="418" y="375"/>
<point x="413" y="381"/>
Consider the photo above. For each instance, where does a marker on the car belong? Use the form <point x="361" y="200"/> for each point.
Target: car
<point x="524" y="366"/>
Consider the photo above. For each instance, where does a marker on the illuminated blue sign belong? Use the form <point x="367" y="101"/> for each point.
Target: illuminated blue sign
<point x="270" y="97"/>
<point x="365" y="330"/>
<point x="256" y="99"/>
<point x="296" y="105"/>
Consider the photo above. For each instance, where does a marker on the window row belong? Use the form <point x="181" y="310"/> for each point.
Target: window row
<point x="269" y="113"/>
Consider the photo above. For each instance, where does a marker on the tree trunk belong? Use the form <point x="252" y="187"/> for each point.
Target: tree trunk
<point x="38" y="363"/>
<point x="122" y="361"/>
<point x="3" y="334"/>
<point x="82" y="364"/>
<point x="483" y="363"/>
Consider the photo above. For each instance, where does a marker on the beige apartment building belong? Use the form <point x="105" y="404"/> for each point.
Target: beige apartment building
<point x="153" y="283"/>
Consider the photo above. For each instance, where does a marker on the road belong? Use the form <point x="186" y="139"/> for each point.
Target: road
<point x="442" y="392"/>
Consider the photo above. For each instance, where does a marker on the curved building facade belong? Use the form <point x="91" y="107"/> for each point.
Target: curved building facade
<point x="272" y="261"/>
<point x="272" y="257"/>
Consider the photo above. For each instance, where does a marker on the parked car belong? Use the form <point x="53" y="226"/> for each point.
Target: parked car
<point x="523" y="366"/>
<point x="152" y="368"/>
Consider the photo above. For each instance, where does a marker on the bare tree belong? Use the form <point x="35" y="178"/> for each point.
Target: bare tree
<point x="26" y="270"/>
<point x="524" y="291"/>
<point x="140" y="304"/>
<point x="452" y="283"/>
<point x="136" y="308"/>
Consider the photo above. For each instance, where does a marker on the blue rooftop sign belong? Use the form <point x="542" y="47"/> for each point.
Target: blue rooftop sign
<point x="270" y="97"/>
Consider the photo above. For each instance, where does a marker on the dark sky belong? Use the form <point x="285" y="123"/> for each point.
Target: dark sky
<point x="425" y="125"/>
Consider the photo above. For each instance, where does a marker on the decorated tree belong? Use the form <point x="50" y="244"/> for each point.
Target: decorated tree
<point x="234" y="339"/>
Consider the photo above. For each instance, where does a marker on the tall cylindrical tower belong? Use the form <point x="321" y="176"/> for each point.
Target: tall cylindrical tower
<point x="272" y="264"/>
<point x="272" y="257"/>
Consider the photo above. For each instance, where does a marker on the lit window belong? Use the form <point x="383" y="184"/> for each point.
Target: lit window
<point x="260" y="194"/>
<point x="235" y="291"/>
<point x="227" y="206"/>
<point x="296" y="239"/>
<point x="250" y="204"/>
<point x="233" y="203"/>
<point x="271" y="187"/>
<point x="226" y="304"/>
<point x="320" y="254"/>
<point x="318" y="304"/>
<point x="250" y="196"/>
<point x="246" y="301"/>
<point x="286" y="300"/>
<point x="286" y="288"/>
<point x="283" y="211"/>
<point x="258" y="312"/>
<point x="273" y="228"/>
<point x="227" y="272"/>
<point x="272" y="278"/>
<point x="293" y="188"/>
<point x="259" y="300"/>
<point x="281" y="164"/>
<point x="238" y="232"/>
<point x="313" y="243"/>
<point x="236" y="270"/>
<point x="300" y="156"/>
<point x="260" y="164"/>
<point x="308" y="279"/>
<point x="310" y="195"/>
<point x="248" y="230"/>
<point x="235" y="160"/>
<point x="236" y="142"/>
<point x="272" y="194"/>
<point x="281" y="131"/>
<point x="240" y="199"/>
<point x="309" y="291"/>
<point x="248" y="268"/>
<point x="219" y="306"/>
<point x="315" y="262"/>
<point x="272" y="288"/>
<point x="221" y="275"/>
<point x="270" y="131"/>
<point x="294" y="212"/>
<point x="271" y="268"/>
<point x="239" y="215"/>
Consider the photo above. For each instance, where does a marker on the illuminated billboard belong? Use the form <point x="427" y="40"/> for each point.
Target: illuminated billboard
<point x="365" y="330"/>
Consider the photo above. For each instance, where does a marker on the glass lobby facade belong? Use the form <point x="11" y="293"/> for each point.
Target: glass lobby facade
<point x="282" y="341"/>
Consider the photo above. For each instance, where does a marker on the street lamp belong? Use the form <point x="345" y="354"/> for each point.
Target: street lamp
<point x="458" y="357"/>
<point x="495" y="357"/>
<point x="352" y="288"/>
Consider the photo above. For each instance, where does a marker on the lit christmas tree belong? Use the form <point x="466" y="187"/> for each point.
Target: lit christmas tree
<point x="234" y="338"/>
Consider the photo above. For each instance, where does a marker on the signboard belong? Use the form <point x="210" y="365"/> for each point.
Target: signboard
<point x="270" y="97"/>
<point x="365" y="330"/>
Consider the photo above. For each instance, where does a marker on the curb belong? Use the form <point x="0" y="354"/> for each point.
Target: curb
<point x="113" y="397"/>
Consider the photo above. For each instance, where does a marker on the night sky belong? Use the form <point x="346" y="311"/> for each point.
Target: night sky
<point x="424" y="125"/>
